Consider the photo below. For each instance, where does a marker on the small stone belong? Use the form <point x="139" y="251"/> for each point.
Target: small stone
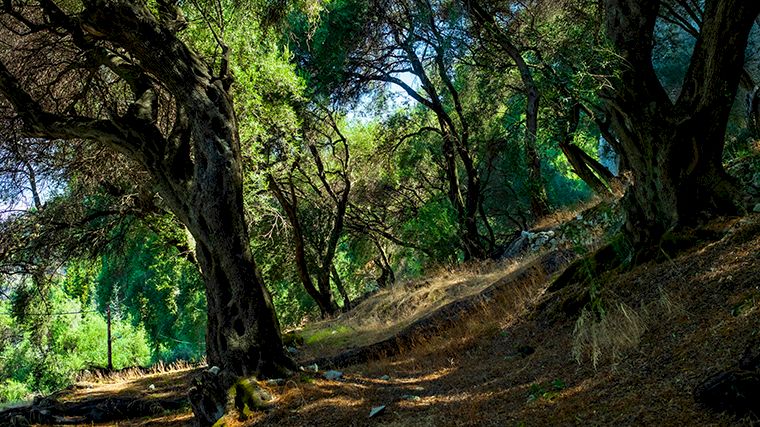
<point x="411" y="397"/>
<point x="151" y="387"/>
<point x="385" y="378"/>
<point x="276" y="381"/>
<point x="311" y="368"/>
<point x="292" y="350"/>
<point x="376" y="410"/>
<point x="214" y="370"/>
<point x="525" y="350"/>
<point x="333" y="375"/>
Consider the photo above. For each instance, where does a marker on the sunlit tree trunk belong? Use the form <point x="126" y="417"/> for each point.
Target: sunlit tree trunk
<point x="585" y="166"/>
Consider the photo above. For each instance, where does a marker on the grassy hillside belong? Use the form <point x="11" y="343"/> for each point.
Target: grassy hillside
<point x="667" y="326"/>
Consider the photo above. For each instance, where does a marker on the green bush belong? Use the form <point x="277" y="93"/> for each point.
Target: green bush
<point x="42" y="354"/>
<point x="13" y="391"/>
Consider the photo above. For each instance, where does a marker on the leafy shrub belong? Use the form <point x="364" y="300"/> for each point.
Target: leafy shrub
<point x="13" y="391"/>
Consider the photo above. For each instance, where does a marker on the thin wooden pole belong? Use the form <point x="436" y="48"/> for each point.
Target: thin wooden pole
<point x="110" y="358"/>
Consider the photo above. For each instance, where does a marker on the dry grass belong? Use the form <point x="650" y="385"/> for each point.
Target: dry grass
<point x="667" y="327"/>
<point x="487" y="321"/>
<point x="619" y="330"/>
<point x="564" y="215"/>
<point x="390" y="310"/>
<point x="164" y="384"/>
<point x="621" y="327"/>
<point x="670" y="325"/>
<point x="102" y="376"/>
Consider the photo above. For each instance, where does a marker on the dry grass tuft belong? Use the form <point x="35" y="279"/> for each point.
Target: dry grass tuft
<point x="101" y="375"/>
<point x="619" y="329"/>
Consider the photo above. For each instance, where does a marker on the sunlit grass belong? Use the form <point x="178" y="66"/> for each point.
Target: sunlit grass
<point x="392" y="309"/>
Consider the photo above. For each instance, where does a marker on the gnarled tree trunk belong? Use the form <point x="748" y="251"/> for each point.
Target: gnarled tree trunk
<point x="195" y="165"/>
<point x="675" y="150"/>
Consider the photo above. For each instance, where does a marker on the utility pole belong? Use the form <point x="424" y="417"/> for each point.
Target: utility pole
<point x="108" y="321"/>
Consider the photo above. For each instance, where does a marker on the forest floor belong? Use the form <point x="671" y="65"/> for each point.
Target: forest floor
<point x="668" y="326"/>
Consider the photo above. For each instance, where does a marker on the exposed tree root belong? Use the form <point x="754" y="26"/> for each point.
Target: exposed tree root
<point x="577" y="286"/>
<point x="106" y="409"/>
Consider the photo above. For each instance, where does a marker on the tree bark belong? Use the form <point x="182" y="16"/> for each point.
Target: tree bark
<point x="339" y="215"/>
<point x="387" y="277"/>
<point x="584" y="165"/>
<point x="753" y="111"/>
<point x="675" y="150"/>
<point x="575" y="156"/>
<point x="196" y="166"/>
<point x="341" y="288"/>
<point x="473" y="241"/>
<point x="539" y="204"/>
<point x="467" y="222"/>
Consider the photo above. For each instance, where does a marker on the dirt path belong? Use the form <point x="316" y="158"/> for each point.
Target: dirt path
<point x="670" y="326"/>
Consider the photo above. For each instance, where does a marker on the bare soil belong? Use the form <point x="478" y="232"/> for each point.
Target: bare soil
<point x="693" y="315"/>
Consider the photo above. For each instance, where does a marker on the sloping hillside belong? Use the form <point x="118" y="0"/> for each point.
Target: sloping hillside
<point x="509" y="355"/>
<point x="667" y="327"/>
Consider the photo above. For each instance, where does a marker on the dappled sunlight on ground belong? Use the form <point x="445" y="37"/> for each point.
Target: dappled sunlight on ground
<point x="698" y="311"/>
<point x="390" y="310"/>
<point x="164" y="384"/>
<point x="506" y="364"/>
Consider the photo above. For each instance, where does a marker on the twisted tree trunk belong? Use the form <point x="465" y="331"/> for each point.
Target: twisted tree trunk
<point x="675" y="150"/>
<point x="196" y="165"/>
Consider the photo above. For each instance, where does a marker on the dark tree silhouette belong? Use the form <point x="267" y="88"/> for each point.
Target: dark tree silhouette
<point x="675" y="148"/>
